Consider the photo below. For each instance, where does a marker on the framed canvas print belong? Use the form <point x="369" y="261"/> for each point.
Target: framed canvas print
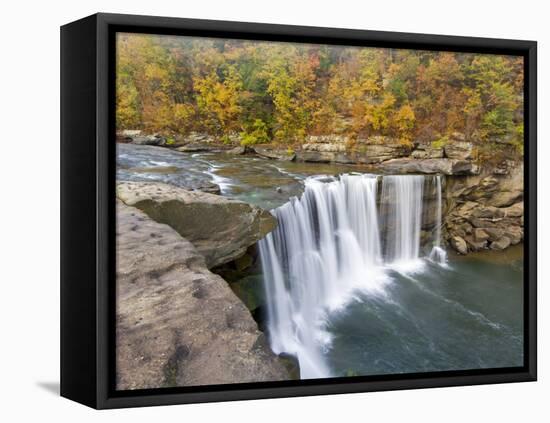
<point x="255" y="211"/>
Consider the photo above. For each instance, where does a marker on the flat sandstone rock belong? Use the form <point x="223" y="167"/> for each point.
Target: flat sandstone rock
<point x="178" y="324"/>
<point x="220" y="228"/>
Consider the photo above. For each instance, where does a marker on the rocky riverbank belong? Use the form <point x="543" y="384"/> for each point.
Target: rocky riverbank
<point x="486" y="210"/>
<point x="178" y="324"/>
<point x="455" y="157"/>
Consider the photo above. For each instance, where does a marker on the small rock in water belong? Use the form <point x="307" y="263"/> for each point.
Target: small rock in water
<point x="279" y="190"/>
<point x="501" y="244"/>
<point x="459" y="244"/>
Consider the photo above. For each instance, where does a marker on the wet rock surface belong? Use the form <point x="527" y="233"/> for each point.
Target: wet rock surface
<point x="178" y="324"/>
<point x="275" y="153"/>
<point x="430" y="166"/>
<point x="486" y="210"/>
<point x="220" y="228"/>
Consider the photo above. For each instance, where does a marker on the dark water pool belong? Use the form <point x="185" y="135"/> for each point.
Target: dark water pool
<point x="466" y="316"/>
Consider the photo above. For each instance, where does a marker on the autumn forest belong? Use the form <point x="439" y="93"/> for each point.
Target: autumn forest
<point x="267" y="92"/>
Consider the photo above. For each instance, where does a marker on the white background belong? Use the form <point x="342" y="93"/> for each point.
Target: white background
<point x="29" y="232"/>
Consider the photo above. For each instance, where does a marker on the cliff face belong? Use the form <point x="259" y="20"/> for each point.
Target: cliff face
<point x="178" y="324"/>
<point x="454" y="158"/>
<point x="485" y="210"/>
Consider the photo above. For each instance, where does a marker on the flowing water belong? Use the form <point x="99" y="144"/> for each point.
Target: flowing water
<point x="352" y="285"/>
<point x="265" y="183"/>
<point x="348" y="291"/>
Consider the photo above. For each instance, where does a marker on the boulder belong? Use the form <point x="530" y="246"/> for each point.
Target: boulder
<point x="481" y="222"/>
<point x="489" y="212"/>
<point x="323" y="157"/>
<point x="220" y="228"/>
<point x="466" y="208"/>
<point x="459" y="150"/>
<point x="480" y="235"/>
<point x="426" y="151"/>
<point x="459" y="244"/>
<point x="461" y="228"/>
<point x="494" y="233"/>
<point x="206" y="186"/>
<point x="123" y="140"/>
<point x="241" y="150"/>
<point x="506" y="198"/>
<point x="501" y="244"/>
<point x="327" y="139"/>
<point x="504" y="168"/>
<point x="148" y="140"/>
<point x="237" y="151"/>
<point x="325" y="147"/>
<point x="178" y="324"/>
<point x="510" y="187"/>
<point x="275" y="153"/>
<point x="368" y="154"/>
<point x="515" y="210"/>
<point x="489" y="184"/>
<point x="195" y="148"/>
<point x="430" y="166"/>
<point x="475" y="245"/>
<point x="514" y="234"/>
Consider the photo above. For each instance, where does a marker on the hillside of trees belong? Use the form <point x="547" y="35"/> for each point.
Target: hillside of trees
<point x="281" y="92"/>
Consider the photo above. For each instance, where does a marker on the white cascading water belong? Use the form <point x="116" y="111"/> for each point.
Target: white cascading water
<point x="402" y="212"/>
<point x="329" y="245"/>
<point x="438" y="254"/>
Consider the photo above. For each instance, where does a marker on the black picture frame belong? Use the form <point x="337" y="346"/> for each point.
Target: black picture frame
<point x="88" y="210"/>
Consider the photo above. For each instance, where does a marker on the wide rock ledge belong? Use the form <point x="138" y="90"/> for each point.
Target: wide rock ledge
<point x="275" y="153"/>
<point x="178" y="324"/>
<point x="220" y="228"/>
<point x="430" y="166"/>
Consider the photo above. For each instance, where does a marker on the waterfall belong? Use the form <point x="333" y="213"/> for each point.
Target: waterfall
<point x="331" y="243"/>
<point x="438" y="254"/>
<point x="402" y="211"/>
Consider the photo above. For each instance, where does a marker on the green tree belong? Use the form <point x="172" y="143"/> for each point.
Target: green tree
<point x="218" y="101"/>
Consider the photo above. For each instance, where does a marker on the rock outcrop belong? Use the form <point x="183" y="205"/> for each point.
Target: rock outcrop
<point x="455" y="158"/>
<point x="275" y="153"/>
<point x="204" y="141"/>
<point x="149" y="140"/>
<point x="241" y="150"/>
<point x="194" y="148"/>
<point x="426" y="151"/>
<point x="459" y="150"/>
<point x="486" y="210"/>
<point x="340" y="149"/>
<point x="136" y="137"/>
<point x="220" y="228"/>
<point x="178" y="324"/>
<point x="430" y="166"/>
